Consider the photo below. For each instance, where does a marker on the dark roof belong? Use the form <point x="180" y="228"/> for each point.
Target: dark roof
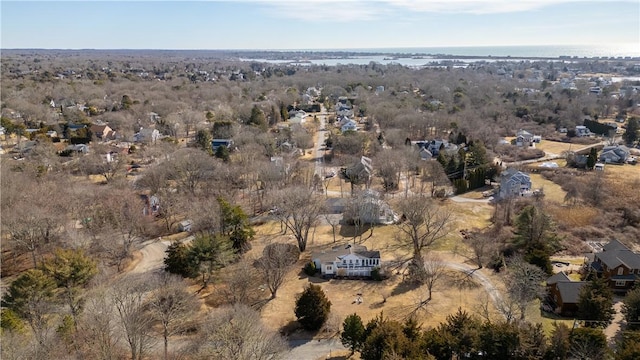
<point x="570" y="291"/>
<point x="556" y="278"/>
<point x="596" y="266"/>
<point x="369" y="254"/>
<point x="614" y="245"/>
<point x="615" y="258"/>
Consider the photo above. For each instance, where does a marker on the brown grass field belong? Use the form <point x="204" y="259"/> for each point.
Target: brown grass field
<point x="556" y="147"/>
<point x="553" y="193"/>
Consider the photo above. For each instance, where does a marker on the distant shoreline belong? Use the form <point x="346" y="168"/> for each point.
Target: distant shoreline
<point x="542" y="53"/>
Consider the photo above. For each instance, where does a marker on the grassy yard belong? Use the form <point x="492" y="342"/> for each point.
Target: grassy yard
<point x="552" y="191"/>
<point x="392" y="296"/>
<point x="555" y="147"/>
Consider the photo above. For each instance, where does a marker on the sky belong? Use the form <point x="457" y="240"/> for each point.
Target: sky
<point x="316" y="24"/>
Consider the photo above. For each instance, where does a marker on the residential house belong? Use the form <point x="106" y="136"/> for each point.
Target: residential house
<point x="436" y="146"/>
<point x="24" y="147"/>
<point x="146" y="136"/>
<point x="347" y="261"/>
<point x="297" y="117"/>
<point x="524" y="138"/>
<point x="151" y="204"/>
<point x="582" y="131"/>
<point x="618" y="264"/>
<point x="350" y="125"/>
<point x="369" y="208"/>
<point x="103" y="132"/>
<point x="617" y="154"/>
<point x="216" y="143"/>
<point x="153" y="117"/>
<point x="361" y="172"/>
<point x="425" y="154"/>
<point x="564" y="293"/>
<point x="185" y="225"/>
<point x="514" y="183"/>
<point x="78" y="148"/>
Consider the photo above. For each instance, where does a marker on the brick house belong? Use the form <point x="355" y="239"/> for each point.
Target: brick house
<point x="564" y="293"/>
<point x="618" y="264"/>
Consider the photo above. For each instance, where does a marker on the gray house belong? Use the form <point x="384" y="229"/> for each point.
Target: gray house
<point x="146" y="136"/>
<point x="360" y="172"/>
<point x="514" y="183"/>
<point x="614" y="154"/>
<point x="523" y="138"/>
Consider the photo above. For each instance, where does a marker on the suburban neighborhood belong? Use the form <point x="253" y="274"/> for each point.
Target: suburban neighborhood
<point x="258" y="204"/>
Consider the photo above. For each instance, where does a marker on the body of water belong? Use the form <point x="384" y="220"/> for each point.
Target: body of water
<point x="542" y="51"/>
<point x="456" y="56"/>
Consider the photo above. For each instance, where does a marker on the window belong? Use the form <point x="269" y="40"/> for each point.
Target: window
<point x="329" y="267"/>
<point x="620" y="283"/>
<point x="620" y="270"/>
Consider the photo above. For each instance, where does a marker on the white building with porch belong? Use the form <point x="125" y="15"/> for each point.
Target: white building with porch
<point x="347" y="261"/>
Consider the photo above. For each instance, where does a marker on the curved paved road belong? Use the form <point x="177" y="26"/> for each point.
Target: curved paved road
<point x="312" y="349"/>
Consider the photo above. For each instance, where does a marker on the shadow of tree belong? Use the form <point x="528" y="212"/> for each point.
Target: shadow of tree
<point x="350" y="231"/>
<point x="404" y="287"/>
<point x="461" y="280"/>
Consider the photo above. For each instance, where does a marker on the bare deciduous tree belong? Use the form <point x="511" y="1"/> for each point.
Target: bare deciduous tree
<point x="136" y="323"/>
<point x="171" y="305"/>
<point x="423" y="224"/>
<point x="525" y="284"/>
<point x="276" y="261"/>
<point x="299" y="209"/>
<point x="481" y="245"/>
<point x="191" y="167"/>
<point x="242" y="281"/>
<point x="333" y="221"/>
<point x="433" y="272"/>
<point x="98" y="327"/>
<point x="237" y="332"/>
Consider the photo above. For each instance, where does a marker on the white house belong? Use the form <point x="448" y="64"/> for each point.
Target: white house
<point x="347" y="261"/>
<point x="147" y="135"/>
<point x="350" y="125"/>
<point x="514" y="183"/>
<point x="369" y="208"/>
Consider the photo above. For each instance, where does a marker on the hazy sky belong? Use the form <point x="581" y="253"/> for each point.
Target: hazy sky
<point x="316" y="24"/>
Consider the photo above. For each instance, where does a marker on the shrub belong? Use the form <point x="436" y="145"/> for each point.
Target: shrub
<point x="312" y="308"/>
<point x="377" y="274"/>
<point x="310" y="268"/>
